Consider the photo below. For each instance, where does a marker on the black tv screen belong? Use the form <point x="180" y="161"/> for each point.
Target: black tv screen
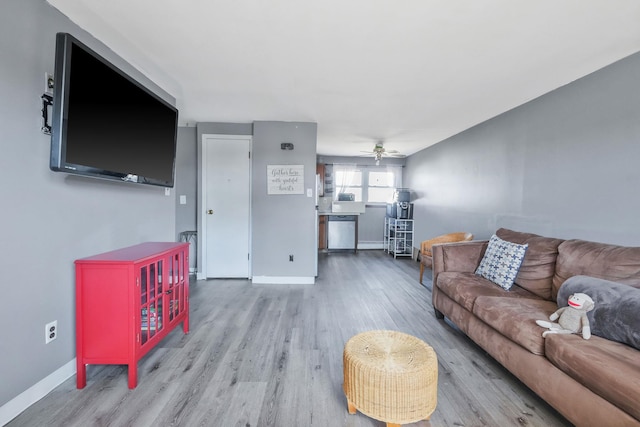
<point x="106" y="124"/>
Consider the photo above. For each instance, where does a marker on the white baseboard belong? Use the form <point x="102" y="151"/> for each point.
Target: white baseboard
<point x="15" y="406"/>
<point x="370" y="245"/>
<point x="285" y="280"/>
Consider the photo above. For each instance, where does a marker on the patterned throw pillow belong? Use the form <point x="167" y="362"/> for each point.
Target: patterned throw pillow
<point x="501" y="262"/>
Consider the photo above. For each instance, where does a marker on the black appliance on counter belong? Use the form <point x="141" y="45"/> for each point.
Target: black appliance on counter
<point x="404" y="210"/>
<point x="400" y="208"/>
<point x="346" y="197"/>
<point x="402" y="195"/>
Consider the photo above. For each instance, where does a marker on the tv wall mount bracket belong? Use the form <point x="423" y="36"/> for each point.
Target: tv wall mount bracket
<point x="47" y="102"/>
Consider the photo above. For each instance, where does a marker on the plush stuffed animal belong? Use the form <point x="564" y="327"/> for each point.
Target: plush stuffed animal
<point x="571" y="319"/>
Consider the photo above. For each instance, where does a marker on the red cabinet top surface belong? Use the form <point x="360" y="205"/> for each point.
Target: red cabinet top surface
<point x="134" y="253"/>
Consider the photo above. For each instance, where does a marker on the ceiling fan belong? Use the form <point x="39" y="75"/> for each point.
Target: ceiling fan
<point x="379" y="152"/>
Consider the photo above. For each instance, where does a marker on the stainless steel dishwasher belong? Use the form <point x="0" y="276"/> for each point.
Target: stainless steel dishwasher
<point x="342" y="232"/>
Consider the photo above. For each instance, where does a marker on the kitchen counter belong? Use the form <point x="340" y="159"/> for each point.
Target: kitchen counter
<point x="338" y="213"/>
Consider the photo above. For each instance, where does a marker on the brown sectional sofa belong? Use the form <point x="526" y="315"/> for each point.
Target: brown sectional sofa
<point x="593" y="382"/>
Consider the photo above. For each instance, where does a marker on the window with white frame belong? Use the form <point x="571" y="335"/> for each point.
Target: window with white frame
<point x="369" y="184"/>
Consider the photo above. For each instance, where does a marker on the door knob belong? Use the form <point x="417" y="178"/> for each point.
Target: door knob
<point x="210" y="211"/>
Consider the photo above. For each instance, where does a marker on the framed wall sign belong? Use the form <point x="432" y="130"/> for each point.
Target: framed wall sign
<point x="285" y="179"/>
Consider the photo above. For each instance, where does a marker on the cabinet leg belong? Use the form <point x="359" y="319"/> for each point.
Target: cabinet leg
<point x="133" y="375"/>
<point x="81" y="374"/>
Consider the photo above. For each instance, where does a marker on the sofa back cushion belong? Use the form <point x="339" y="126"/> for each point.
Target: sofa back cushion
<point x="539" y="264"/>
<point x="615" y="315"/>
<point x="601" y="260"/>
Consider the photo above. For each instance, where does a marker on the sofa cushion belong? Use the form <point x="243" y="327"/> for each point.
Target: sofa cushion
<point x="464" y="288"/>
<point x="501" y="262"/>
<point x="609" y="262"/>
<point x="607" y="368"/>
<point x="516" y="318"/>
<point x="463" y="256"/>
<point x="617" y="307"/>
<point x="539" y="264"/>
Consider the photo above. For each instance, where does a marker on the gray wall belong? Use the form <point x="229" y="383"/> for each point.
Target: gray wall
<point x="565" y="165"/>
<point x="283" y="225"/>
<point x="50" y="219"/>
<point x="186" y="180"/>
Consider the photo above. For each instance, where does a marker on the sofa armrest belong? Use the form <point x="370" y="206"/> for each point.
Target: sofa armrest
<point x="461" y="257"/>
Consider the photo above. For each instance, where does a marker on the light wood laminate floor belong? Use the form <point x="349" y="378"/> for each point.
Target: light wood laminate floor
<point x="271" y="355"/>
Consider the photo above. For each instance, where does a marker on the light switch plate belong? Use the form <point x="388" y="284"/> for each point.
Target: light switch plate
<point x="309" y="192"/>
<point x="183" y="199"/>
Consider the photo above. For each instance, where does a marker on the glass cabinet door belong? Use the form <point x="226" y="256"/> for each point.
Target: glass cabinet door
<point x="176" y="290"/>
<point x="151" y="303"/>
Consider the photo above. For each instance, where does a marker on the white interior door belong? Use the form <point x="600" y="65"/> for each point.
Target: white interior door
<point x="226" y="205"/>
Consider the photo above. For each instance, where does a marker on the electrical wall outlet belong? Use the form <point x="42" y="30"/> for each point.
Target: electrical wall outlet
<point x="50" y="331"/>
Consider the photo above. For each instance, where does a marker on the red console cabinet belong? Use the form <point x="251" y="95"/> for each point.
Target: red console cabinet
<point x="127" y="301"/>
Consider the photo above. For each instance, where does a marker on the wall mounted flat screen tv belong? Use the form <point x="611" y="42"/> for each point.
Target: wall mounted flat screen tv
<point x="106" y="124"/>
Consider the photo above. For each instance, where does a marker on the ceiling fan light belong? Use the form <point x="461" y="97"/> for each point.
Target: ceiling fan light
<point x="378" y="157"/>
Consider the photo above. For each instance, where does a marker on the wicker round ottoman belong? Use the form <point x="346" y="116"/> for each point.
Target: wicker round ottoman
<point x="390" y="376"/>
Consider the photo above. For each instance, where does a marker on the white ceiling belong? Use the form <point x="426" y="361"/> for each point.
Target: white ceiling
<point x="407" y="72"/>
